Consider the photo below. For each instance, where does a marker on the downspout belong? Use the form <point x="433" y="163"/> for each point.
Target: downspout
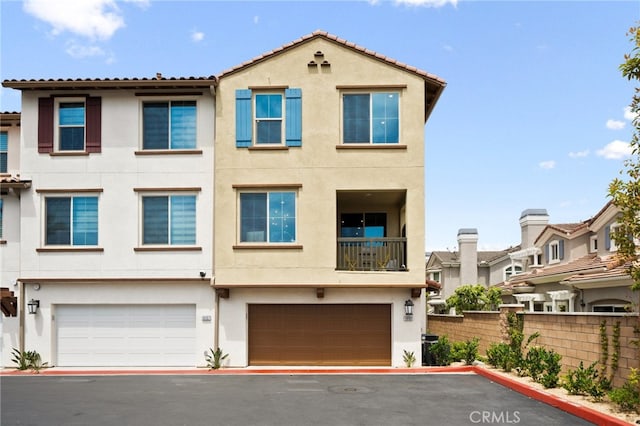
<point x="21" y="317"/>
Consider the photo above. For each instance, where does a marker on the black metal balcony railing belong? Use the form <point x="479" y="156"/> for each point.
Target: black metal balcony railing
<point x="372" y="254"/>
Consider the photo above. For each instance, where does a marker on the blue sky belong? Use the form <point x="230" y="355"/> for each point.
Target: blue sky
<point x="533" y="115"/>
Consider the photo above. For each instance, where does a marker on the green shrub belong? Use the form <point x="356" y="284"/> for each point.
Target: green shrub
<point x="534" y="362"/>
<point x="215" y="358"/>
<point x="470" y="350"/>
<point x="498" y="355"/>
<point x="28" y="360"/>
<point x="409" y="358"/>
<point x="551" y="369"/>
<point x="441" y="351"/>
<point x="457" y="351"/>
<point x="627" y="398"/>
<point x="586" y="381"/>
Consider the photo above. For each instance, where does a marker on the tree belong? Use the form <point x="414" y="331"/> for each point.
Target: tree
<point x="474" y="297"/>
<point x="625" y="194"/>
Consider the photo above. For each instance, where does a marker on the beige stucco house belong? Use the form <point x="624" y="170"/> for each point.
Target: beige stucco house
<point x="319" y="205"/>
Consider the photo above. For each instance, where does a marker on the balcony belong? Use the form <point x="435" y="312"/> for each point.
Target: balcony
<point x="371" y="254"/>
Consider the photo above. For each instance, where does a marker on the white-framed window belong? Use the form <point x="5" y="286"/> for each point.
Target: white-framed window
<point x="435" y="276"/>
<point x="267" y="216"/>
<point x="609" y="240"/>
<point x="371" y="118"/>
<point x="268" y="118"/>
<point x="70" y="118"/>
<point x="593" y="244"/>
<point x="71" y="220"/>
<point x="168" y="219"/>
<point x="511" y="270"/>
<point x="554" y="251"/>
<point x="169" y="125"/>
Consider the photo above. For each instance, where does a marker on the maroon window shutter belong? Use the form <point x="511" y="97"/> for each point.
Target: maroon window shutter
<point x="94" y="124"/>
<point x="45" y="125"/>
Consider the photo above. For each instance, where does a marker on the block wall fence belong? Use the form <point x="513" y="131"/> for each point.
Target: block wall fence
<point x="575" y="336"/>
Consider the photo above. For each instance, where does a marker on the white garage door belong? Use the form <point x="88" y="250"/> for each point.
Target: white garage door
<point x="126" y="335"/>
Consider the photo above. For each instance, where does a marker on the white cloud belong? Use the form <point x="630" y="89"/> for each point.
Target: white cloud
<point x="256" y="19"/>
<point x="428" y="3"/>
<point x="95" y="19"/>
<point x="628" y="115"/>
<point x="579" y="154"/>
<point x="76" y="50"/>
<point x="550" y="164"/>
<point x="615" y="150"/>
<point x="615" y="124"/>
<point x="197" y="36"/>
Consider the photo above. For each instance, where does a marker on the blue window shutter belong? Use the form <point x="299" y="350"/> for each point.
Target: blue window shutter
<point x="561" y="249"/>
<point x="294" y="117"/>
<point x="546" y="253"/>
<point x="607" y="237"/>
<point x="243" y="118"/>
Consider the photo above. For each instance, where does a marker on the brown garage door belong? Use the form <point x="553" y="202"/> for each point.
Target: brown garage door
<point x="320" y="335"/>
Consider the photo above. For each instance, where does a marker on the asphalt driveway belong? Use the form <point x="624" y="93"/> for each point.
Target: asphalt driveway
<point x="282" y="400"/>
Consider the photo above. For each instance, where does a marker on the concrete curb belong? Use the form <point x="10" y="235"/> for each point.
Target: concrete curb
<point x="583" y="412"/>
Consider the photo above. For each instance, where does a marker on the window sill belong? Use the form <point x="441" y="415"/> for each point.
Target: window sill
<point x="169" y="152"/>
<point x="168" y="248"/>
<point x="69" y="154"/>
<point x="68" y="249"/>
<point x="269" y="148"/>
<point x="371" y="146"/>
<point x="267" y="247"/>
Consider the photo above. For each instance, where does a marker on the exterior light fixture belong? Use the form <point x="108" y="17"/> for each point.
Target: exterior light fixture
<point x="33" y="306"/>
<point x="408" y="308"/>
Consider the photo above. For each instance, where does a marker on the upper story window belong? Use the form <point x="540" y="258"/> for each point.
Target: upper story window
<point x="168" y="220"/>
<point x="609" y="232"/>
<point x="555" y="251"/>
<point x="268" y="117"/>
<point x="69" y="125"/>
<point x="363" y="225"/>
<point x="510" y="271"/>
<point x="593" y="244"/>
<point x="435" y="276"/>
<point x="371" y="118"/>
<point x="71" y="220"/>
<point x="268" y="217"/>
<point x="4" y="150"/>
<point x="169" y="125"/>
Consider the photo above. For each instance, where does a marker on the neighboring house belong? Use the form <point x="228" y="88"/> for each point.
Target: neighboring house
<point x="11" y="188"/>
<point x="573" y="268"/>
<point x="467" y="265"/>
<point x="305" y="246"/>
<point x="115" y="231"/>
<point x="319" y="212"/>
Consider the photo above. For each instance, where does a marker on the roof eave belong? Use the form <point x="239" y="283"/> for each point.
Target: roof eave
<point x="164" y="83"/>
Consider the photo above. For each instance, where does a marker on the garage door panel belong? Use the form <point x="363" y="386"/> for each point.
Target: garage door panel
<point x="320" y="334"/>
<point x="126" y="335"/>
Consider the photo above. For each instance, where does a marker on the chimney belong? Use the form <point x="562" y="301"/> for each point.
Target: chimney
<point x="468" y="247"/>
<point x="158" y="76"/>
<point x="532" y="222"/>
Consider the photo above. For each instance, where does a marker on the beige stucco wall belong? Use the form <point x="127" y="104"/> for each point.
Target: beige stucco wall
<point x="318" y="167"/>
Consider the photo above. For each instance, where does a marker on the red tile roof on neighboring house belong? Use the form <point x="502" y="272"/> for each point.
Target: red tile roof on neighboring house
<point x="590" y="262"/>
<point x="111" y="83"/>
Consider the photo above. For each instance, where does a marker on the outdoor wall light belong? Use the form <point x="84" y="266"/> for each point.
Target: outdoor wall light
<point x="408" y="308"/>
<point x="33" y="306"/>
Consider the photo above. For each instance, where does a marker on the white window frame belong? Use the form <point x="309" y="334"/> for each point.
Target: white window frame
<point x="554" y="252"/>
<point x="255" y="120"/>
<point x="432" y="276"/>
<point x="506" y="275"/>
<point x="56" y="123"/>
<point x="5" y="130"/>
<point x="613" y="306"/>
<point x="613" y="247"/>
<point x="168" y="100"/>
